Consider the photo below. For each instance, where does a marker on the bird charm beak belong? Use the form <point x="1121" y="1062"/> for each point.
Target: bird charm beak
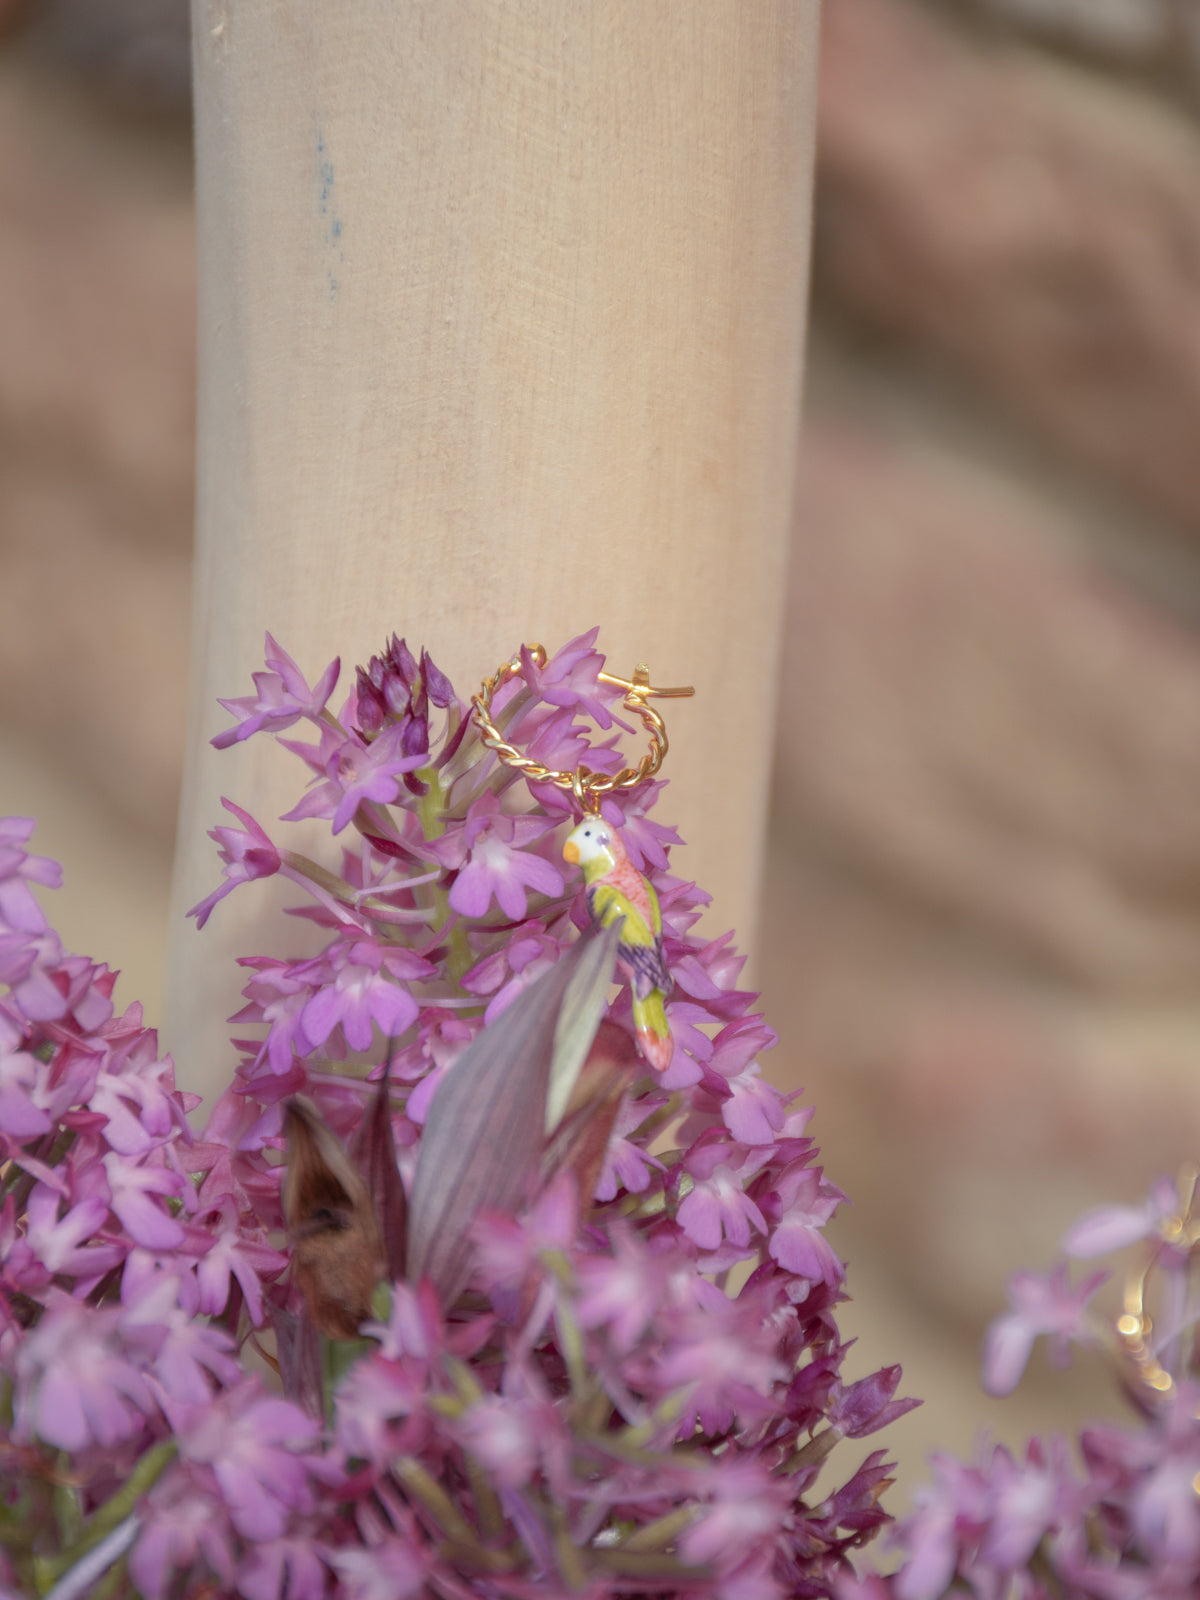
<point x="571" y="852"/>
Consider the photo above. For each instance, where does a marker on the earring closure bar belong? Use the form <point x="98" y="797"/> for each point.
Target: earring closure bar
<point x="639" y="685"/>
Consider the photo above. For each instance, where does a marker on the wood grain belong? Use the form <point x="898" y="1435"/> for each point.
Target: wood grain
<point x="501" y="323"/>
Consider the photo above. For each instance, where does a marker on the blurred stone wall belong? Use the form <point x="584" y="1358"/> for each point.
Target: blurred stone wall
<point x="97" y="372"/>
<point x="983" y="928"/>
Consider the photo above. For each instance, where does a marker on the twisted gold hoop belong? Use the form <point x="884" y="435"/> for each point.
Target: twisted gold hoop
<point x="585" y="785"/>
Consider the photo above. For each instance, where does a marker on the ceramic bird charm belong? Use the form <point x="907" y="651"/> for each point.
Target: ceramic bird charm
<point x="615" y="889"/>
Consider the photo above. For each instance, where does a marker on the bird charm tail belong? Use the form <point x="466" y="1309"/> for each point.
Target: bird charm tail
<point x="653" y="1030"/>
<point x="619" y="896"/>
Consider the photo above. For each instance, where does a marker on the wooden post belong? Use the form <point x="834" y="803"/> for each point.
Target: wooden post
<point x="501" y="321"/>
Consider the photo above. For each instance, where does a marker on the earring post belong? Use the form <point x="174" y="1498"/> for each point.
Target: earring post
<point x="639" y="685"/>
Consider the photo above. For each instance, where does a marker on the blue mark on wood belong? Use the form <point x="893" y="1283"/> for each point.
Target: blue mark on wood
<point x="327" y="206"/>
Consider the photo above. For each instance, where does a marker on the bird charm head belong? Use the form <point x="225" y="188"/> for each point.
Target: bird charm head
<point x="595" y="846"/>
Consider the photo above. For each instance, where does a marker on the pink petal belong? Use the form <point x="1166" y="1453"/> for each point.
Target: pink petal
<point x="1006" y="1352"/>
<point x="147" y="1224"/>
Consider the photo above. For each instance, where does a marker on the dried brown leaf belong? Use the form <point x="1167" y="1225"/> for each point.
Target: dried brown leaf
<point x="373" y="1152"/>
<point x="297" y="1345"/>
<point x="337" y="1257"/>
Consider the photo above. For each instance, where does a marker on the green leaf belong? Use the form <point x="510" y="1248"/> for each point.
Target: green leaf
<point x="582" y="1007"/>
<point x="108" y="1517"/>
<point x="483" y="1141"/>
<point x="580" y="1138"/>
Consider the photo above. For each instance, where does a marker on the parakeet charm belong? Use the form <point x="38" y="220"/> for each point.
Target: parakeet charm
<point x="615" y="889"/>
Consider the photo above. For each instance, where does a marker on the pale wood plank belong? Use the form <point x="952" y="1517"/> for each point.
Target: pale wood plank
<point x="501" y="317"/>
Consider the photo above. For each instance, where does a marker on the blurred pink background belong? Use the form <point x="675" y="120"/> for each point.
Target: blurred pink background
<point x="981" y="942"/>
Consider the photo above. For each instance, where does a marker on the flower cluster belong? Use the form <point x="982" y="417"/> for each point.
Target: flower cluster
<point x="1122" y="1522"/>
<point x="123" y="1282"/>
<point x="633" y="1387"/>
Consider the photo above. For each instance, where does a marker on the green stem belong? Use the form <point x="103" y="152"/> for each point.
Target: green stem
<point x="432" y="817"/>
<point x="425" y="1488"/>
<point x="814" y="1452"/>
<point x="567" y="1553"/>
<point x="663" y="1531"/>
<point x="111" y="1583"/>
<point x="487" y="1501"/>
<point x="337" y="1357"/>
<point x="68" y="1506"/>
<point x="644" y="1564"/>
<point x="466" y="1385"/>
<point x="334" y="886"/>
<point x="114" y="1510"/>
<point x="570" y="1338"/>
<point x="462" y="1541"/>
